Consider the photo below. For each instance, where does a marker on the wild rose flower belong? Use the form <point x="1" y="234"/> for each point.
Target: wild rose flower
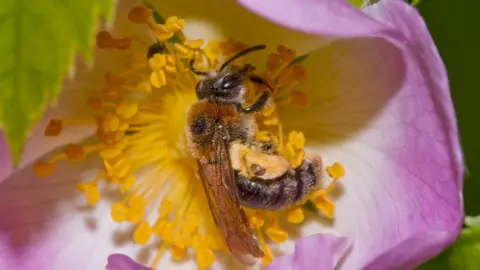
<point x="375" y="98"/>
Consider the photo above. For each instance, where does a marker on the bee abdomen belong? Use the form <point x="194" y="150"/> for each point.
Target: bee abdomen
<point x="274" y="194"/>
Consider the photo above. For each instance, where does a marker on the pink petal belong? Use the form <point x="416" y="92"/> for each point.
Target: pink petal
<point x="320" y="251"/>
<point x="6" y="165"/>
<point x="123" y="262"/>
<point x="384" y="111"/>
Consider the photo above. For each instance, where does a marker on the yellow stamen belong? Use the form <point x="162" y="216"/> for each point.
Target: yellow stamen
<point x="143" y="233"/>
<point x="275" y="233"/>
<point x="336" y="171"/>
<point x="90" y="191"/>
<point x="119" y="212"/>
<point x="178" y="252"/>
<point x="295" y="215"/>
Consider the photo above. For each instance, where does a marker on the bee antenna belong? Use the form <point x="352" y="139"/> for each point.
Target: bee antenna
<point x="242" y="53"/>
<point x="201" y="73"/>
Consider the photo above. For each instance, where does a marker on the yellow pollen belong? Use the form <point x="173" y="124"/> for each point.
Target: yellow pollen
<point x="275" y="233"/>
<point x="178" y="252"/>
<point x="119" y="212"/>
<point x="212" y="51"/>
<point x="90" y="191"/>
<point x="205" y="257"/>
<point x="140" y="119"/>
<point x="336" y="171"/>
<point x="143" y="233"/>
<point x="295" y="215"/>
<point x="297" y="139"/>
<point x="127" y="109"/>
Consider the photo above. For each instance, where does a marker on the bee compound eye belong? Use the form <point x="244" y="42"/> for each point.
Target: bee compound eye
<point x="231" y="81"/>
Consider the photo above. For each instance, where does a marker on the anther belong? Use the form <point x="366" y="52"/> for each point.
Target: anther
<point x="104" y="40"/>
<point x="178" y="251"/>
<point x="143" y="233"/>
<point x="158" y="79"/>
<point x="295" y="215"/>
<point x="90" y="191"/>
<point x="277" y="235"/>
<point x="119" y="212"/>
<point x="299" y="98"/>
<point x="324" y="204"/>
<point x="336" y="171"/>
<point x="297" y="139"/>
<point x="127" y="183"/>
<point x="273" y="61"/>
<point x="75" y="152"/>
<point x="54" y="127"/>
<point x="287" y="54"/>
<point x="127" y="109"/>
<point x="43" y="169"/>
<point x="299" y="72"/>
<point x="140" y="14"/>
<point x="268" y="258"/>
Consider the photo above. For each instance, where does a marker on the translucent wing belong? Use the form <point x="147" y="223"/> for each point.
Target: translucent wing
<point x="224" y="202"/>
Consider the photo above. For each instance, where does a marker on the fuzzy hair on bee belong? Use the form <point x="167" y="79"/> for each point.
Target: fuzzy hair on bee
<point x="216" y="120"/>
<point x="203" y="123"/>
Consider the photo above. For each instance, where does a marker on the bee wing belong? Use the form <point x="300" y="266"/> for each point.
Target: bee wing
<point x="224" y="202"/>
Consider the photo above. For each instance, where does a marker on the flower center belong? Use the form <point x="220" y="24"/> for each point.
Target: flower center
<point x="140" y="117"/>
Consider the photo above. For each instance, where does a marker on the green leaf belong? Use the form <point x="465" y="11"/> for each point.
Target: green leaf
<point x="464" y="253"/>
<point x="39" y="40"/>
<point x="415" y="2"/>
<point x="358" y="3"/>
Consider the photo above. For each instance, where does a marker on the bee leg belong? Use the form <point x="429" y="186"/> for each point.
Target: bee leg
<point x="260" y="80"/>
<point x="257" y="106"/>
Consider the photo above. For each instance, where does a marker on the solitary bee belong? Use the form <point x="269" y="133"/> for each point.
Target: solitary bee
<point x="218" y="129"/>
<point x="213" y="122"/>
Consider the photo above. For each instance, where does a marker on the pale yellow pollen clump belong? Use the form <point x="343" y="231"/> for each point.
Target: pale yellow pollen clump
<point x="140" y="121"/>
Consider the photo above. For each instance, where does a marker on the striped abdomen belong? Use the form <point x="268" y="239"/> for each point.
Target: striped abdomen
<point x="286" y="190"/>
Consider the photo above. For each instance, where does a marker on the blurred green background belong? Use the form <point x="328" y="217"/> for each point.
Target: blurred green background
<point x="455" y="27"/>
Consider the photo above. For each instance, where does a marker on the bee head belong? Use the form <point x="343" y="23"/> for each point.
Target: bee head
<point x="225" y="87"/>
<point x="227" y="84"/>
